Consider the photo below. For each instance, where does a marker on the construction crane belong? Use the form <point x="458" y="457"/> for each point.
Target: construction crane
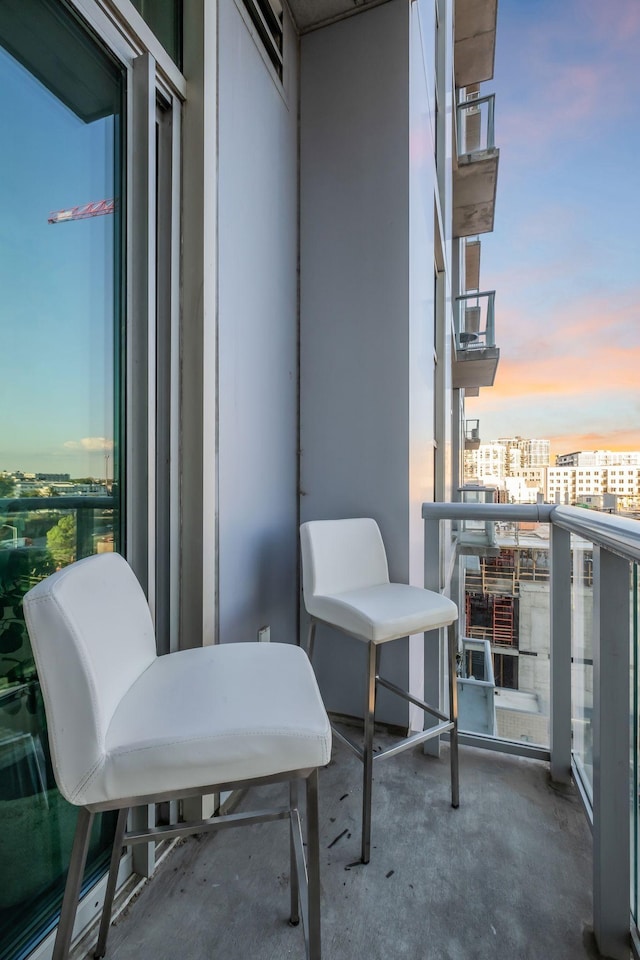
<point x="97" y="208"/>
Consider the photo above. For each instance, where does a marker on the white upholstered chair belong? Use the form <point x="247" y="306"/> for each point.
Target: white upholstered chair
<point x="346" y="585"/>
<point x="127" y="727"/>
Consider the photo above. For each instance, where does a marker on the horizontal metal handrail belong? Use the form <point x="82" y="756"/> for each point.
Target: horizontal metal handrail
<point x="475" y="296"/>
<point x="515" y="512"/>
<point x="19" y="504"/>
<point x="619" y="535"/>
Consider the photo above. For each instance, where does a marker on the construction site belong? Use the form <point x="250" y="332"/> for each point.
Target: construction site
<point x="507" y="604"/>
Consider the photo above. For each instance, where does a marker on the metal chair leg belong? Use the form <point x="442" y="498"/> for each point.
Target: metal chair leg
<point x="73" y="885"/>
<point x="313" y="868"/>
<point x="311" y="636"/>
<point x="367" y="779"/>
<point x="116" y="853"/>
<point x="294" y="880"/>
<point x="453" y="713"/>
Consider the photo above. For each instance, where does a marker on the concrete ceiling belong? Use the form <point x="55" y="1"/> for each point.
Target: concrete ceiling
<point x="474" y="193"/>
<point x="475" y="40"/>
<point x="311" y="14"/>
<point x="475" y="368"/>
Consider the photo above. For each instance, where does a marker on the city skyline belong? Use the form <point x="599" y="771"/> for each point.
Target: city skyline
<point x="563" y="257"/>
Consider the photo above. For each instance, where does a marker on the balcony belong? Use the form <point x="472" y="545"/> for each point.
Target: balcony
<point x="502" y="876"/>
<point x="476" y="355"/>
<point x="578" y="706"/>
<point x="499" y="877"/>
<point x="475" y="176"/>
<point x="475" y="41"/>
<point x="471" y="434"/>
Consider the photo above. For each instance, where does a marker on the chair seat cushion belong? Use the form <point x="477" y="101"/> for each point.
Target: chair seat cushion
<point x="212" y="715"/>
<point x="384" y="612"/>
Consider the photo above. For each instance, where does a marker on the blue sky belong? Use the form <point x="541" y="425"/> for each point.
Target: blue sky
<point x="564" y="256"/>
<point x="56" y="308"/>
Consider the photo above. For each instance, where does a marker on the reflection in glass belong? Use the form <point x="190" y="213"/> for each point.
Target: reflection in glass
<point x="60" y="319"/>
<point x="165" y="19"/>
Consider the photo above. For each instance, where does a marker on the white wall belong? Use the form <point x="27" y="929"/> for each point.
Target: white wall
<point x="367" y="382"/>
<point x="257" y="330"/>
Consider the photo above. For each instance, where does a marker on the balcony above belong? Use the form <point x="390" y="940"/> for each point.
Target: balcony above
<point x="475" y="177"/>
<point x="476" y="356"/>
<point x="471" y="434"/>
<point x="475" y="40"/>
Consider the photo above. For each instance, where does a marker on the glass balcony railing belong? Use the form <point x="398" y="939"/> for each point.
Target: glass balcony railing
<point x="475" y="321"/>
<point x="475" y="124"/>
<point x="471" y="434"/>
<point x="563" y="591"/>
<point x="37" y="536"/>
<point x="475" y="536"/>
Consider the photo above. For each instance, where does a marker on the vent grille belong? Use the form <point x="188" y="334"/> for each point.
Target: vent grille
<point x="266" y="16"/>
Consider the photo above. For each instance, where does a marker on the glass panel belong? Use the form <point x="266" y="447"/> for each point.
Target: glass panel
<point x="505" y="684"/>
<point x="60" y="318"/>
<point x="475" y="124"/>
<point x="582" y="659"/>
<point x="165" y="19"/>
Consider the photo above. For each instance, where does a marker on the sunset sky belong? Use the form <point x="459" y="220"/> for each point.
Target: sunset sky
<point x="564" y="256"/>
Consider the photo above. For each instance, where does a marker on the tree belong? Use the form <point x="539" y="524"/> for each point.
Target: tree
<point x="61" y="540"/>
<point x="7" y="486"/>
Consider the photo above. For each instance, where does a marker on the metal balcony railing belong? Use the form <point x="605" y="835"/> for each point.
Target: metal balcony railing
<point x="594" y="691"/>
<point x="471" y="433"/>
<point x="476" y="125"/>
<point x="88" y="514"/>
<point x="475" y="321"/>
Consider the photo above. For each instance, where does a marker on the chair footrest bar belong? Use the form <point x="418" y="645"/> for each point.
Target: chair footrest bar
<point x="399" y="692"/>
<point x="303" y="882"/>
<point x="204" y="826"/>
<point x="414" y="739"/>
<point x="349" y="743"/>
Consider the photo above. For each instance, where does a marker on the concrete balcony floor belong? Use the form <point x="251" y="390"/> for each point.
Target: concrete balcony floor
<point x="506" y="875"/>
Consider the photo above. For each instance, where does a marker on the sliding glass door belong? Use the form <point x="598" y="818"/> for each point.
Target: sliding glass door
<point x="61" y="388"/>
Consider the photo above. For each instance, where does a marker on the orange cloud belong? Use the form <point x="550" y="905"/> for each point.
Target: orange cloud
<point x="626" y="439"/>
<point x="598" y="368"/>
<point x="570" y="331"/>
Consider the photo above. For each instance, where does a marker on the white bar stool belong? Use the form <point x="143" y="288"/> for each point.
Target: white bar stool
<point x="128" y="728"/>
<point x="346" y="585"/>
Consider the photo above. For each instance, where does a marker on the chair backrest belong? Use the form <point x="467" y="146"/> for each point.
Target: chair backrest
<point x="92" y="637"/>
<point x="341" y="555"/>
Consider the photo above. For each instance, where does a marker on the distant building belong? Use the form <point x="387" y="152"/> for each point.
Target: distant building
<point x="532" y="452"/>
<point x="519" y="468"/>
<point x="54" y="477"/>
<point x="517" y="457"/>
<point x="599" y="458"/>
